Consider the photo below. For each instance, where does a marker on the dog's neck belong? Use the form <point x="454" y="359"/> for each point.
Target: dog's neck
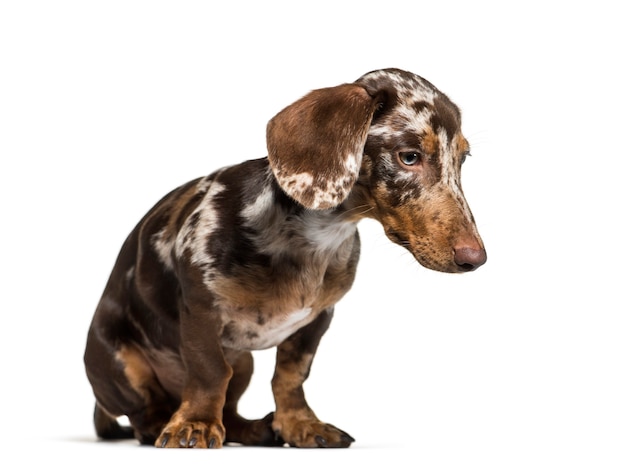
<point x="282" y="226"/>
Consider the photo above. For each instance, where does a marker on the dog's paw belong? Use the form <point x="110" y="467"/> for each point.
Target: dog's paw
<point x="191" y="434"/>
<point x="251" y="432"/>
<point x="312" y="434"/>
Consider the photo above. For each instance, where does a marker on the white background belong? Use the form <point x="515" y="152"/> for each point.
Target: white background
<point x="518" y="367"/>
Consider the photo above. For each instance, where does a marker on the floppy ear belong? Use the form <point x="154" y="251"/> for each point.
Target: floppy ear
<point x="315" y="146"/>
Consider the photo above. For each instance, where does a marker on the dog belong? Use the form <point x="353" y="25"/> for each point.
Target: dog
<point x="257" y="254"/>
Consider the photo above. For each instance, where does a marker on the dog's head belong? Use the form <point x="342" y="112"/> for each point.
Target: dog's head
<point x="391" y="144"/>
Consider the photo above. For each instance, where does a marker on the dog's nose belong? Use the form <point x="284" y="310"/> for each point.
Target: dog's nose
<point x="469" y="258"/>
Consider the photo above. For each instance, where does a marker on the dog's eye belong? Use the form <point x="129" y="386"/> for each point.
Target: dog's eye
<point x="464" y="156"/>
<point x="409" y="158"/>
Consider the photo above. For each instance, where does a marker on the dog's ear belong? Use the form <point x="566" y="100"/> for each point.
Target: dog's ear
<point x="315" y="146"/>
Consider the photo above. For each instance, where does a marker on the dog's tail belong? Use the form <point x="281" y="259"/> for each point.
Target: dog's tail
<point x="107" y="426"/>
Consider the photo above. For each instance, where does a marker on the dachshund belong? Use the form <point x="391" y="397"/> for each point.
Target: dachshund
<point x="256" y="255"/>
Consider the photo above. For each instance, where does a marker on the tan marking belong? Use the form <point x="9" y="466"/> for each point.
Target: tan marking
<point x="287" y="383"/>
<point x="299" y="288"/>
<point x="153" y="372"/>
<point x="461" y="143"/>
<point x="137" y="369"/>
<point x="430" y="142"/>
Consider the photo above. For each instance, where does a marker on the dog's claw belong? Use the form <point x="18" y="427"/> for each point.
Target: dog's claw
<point x="314" y="434"/>
<point x="345" y="437"/>
<point x="191" y="435"/>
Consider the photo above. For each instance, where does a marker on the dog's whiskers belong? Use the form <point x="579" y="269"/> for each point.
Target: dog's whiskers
<point x="358" y="210"/>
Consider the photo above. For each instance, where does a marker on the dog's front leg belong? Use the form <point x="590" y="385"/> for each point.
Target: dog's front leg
<point x="294" y="421"/>
<point x="198" y="421"/>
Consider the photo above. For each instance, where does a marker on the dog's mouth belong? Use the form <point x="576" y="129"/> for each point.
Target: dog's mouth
<point x="398" y="238"/>
<point x="446" y="260"/>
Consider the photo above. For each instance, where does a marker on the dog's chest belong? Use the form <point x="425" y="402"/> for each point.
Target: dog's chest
<point x="253" y="330"/>
<point x="269" y="271"/>
<point x="262" y="306"/>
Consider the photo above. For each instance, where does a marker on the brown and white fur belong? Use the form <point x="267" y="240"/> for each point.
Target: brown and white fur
<point x="256" y="255"/>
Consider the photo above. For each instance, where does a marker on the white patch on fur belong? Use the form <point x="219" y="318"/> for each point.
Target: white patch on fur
<point x="296" y="184"/>
<point x="163" y="248"/>
<point x="273" y="332"/>
<point x="302" y="182"/>
<point x="205" y="182"/>
<point x="450" y="176"/>
<point x="421" y="121"/>
<point x="193" y="238"/>
<point x="312" y="231"/>
<point x="258" y="213"/>
<point x="448" y="172"/>
<point x="325" y="232"/>
<point x="165" y="245"/>
<point x="417" y="123"/>
<point x="423" y="94"/>
<point x="327" y="191"/>
<point x="414" y="89"/>
<point x="352" y="164"/>
<point x="285" y="328"/>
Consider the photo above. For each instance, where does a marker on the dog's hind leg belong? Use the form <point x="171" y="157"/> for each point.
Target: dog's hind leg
<point x="239" y="429"/>
<point x="124" y="384"/>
